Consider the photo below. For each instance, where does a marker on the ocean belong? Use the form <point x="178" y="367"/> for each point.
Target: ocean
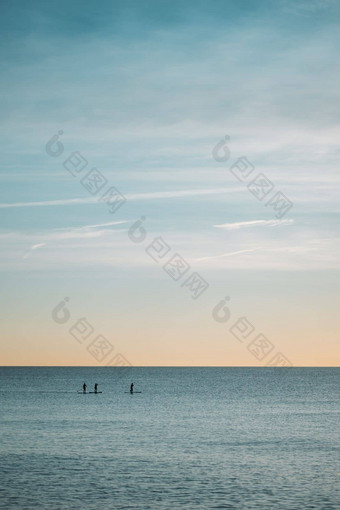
<point x="194" y="438"/>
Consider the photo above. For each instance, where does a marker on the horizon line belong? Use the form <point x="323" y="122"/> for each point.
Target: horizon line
<point x="167" y="366"/>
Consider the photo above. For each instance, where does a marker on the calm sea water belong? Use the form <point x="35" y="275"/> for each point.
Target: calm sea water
<point x="194" y="438"/>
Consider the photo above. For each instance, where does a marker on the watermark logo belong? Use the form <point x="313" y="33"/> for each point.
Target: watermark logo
<point x="221" y="152"/>
<point x="61" y="314"/>
<point x="242" y="330"/>
<point x="100" y="348"/>
<point x="54" y="147"/>
<point x="260" y="186"/>
<point x="175" y="266"/>
<point x="93" y="181"/>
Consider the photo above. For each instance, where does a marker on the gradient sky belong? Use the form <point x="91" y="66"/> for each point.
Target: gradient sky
<point x="144" y="90"/>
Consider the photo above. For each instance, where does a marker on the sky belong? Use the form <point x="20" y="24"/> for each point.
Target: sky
<point x="197" y="115"/>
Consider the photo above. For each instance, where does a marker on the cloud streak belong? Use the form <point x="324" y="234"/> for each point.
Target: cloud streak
<point x="255" y="223"/>
<point x="154" y="195"/>
<point x="229" y="254"/>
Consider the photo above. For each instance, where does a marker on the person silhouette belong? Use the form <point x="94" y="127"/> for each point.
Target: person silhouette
<point x="84" y="388"/>
<point x="96" y="388"/>
<point x="131" y="387"/>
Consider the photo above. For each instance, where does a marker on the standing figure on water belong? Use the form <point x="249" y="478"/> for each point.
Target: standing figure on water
<point x="84" y="388"/>
<point x="96" y="388"/>
<point x="131" y="387"/>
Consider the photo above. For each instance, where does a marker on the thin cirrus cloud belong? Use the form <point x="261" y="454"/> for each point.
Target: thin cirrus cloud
<point x="96" y="226"/>
<point x="291" y="254"/>
<point x="132" y="196"/>
<point x="255" y="223"/>
<point x="58" y="235"/>
<point x="228" y="254"/>
<point x="33" y="248"/>
<point x="84" y="232"/>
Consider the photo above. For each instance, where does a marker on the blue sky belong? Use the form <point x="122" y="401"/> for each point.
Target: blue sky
<point x="144" y="91"/>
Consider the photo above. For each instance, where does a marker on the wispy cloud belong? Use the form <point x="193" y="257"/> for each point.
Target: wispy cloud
<point x="36" y="246"/>
<point x="61" y="234"/>
<point x="45" y="203"/>
<point x="229" y="254"/>
<point x="254" y="223"/>
<point x="98" y="225"/>
<point x="154" y="195"/>
<point x="84" y="232"/>
<point x="33" y="248"/>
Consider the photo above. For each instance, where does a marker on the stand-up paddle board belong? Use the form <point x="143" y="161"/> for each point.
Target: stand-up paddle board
<point x="132" y="392"/>
<point x="87" y="392"/>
